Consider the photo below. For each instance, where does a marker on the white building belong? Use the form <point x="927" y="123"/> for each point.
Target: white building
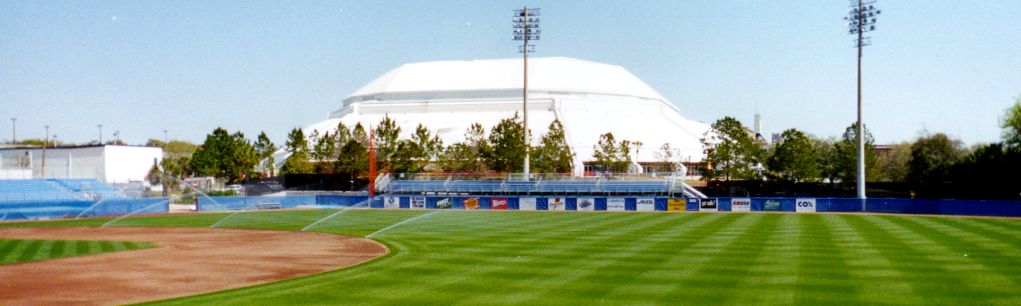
<point x="111" y="164"/>
<point x="589" y="98"/>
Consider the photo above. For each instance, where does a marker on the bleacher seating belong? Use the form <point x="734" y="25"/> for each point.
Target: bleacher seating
<point x="56" y="189"/>
<point x="593" y="186"/>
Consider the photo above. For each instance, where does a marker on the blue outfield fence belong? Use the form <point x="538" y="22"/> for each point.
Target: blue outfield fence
<point x="51" y="209"/>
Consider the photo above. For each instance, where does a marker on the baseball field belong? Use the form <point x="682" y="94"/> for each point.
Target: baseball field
<point x="521" y="257"/>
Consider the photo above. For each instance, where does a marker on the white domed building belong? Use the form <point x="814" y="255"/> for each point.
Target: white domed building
<point x="589" y="98"/>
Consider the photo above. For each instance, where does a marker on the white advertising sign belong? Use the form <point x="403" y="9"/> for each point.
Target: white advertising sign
<point x="556" y="204"/>
<point x="391" y="202"/>
<point x="645" y="204"/>
<point x="615" y="204"/>
<point x="804" y="205"/>
<point x="741" y="204"/>
<point x="418" y="203"/>
<point x="586" y="204"/>
<point x="526" y="204"/>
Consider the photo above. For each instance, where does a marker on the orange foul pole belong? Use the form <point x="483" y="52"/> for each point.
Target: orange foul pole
<point x="372" y="165"/>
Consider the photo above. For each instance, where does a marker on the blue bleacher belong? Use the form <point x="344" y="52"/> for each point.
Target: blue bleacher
<point x="56" y="189"/>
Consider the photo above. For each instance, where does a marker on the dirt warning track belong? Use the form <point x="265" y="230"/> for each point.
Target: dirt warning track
<point x="185" y="261"/>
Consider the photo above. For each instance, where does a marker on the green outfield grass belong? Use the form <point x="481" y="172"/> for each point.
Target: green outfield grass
<point x="18" y="250"/>
<point x="489" y="257"/>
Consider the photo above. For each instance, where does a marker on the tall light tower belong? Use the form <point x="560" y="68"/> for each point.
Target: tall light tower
<point x="14" y="130"/>
<point x="45" y="140"/>
<point x="861" y="19"/>
<point x="100" y="126"/>
<point x="526" y="28"/>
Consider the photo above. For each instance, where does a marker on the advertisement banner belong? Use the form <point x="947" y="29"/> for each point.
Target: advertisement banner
<point x="556" y="204"/>
<point x="615" y="204"/>
<point x="804" y="205"/>
<point x="391" y="202"/>
<point x="741" y="204"/>
<point x="417" y="202"/>
<point x="676" y="204"/>
<point x="444" y="203"/>
<point x="471" y="203"/>
<point x="707" y="205"/>
<point x="645" y="204"/>
<point x="526" y="204"/>
<point x="771" y="205"/>
<point x="586" y="204"/>
<point x="499" y="204"/>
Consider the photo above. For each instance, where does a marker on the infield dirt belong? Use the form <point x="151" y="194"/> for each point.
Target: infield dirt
<point x="185" y="261"/>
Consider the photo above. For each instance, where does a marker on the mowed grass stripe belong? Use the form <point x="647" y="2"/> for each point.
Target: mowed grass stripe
<point x="473" y="257"/>
<point x="949" y="265"/>
<point x="483" y="260"/>
<point x="21" y="250"/>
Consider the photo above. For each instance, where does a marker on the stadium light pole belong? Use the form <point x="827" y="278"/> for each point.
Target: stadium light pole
<point x="14" y="130"/>
<point x="861" y="19"/>
<point x="100" y="134"/>
<point x="165" y="139"/>
<point x="526" y="28"/>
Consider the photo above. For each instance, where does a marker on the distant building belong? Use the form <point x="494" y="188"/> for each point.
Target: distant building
<point x="589" y="98"/>
<point x="112" y="164"/>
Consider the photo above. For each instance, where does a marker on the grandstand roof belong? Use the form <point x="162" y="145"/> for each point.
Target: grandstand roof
<point x="545" y="74"/>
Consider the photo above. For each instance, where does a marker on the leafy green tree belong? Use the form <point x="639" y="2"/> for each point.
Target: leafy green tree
<point x="731" y="151"/>
<point x="479" y="147"/>
<point x="340" y="136"/>
<point x="553" y="155"/>
<point x="933" y="158"/>
<point x="297" y="162"/>
<point x="508" y="145"/>
<point x="614" y="155"/>
<point x="323" y="150"/>
<point x="265" y="148"/>
<point x="174" y="148"/>
<point x="846" y="155"/>
<point x="353" y="157"/>
<point x="826" y="155"/>
<point x="605" y="151"/>
<point x="893" y="166"/>
<point x="668" y="156"/>
<point x="1011" y="124"/>
<point x="225" y="155"/>
<point x="794" y="158"/>
<point x="386" y="139"/>
<point x="426" y="147"/>
<point x="459" y="157"/>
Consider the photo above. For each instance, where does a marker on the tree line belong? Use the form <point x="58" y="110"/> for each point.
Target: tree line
<point x="928" y="163"/>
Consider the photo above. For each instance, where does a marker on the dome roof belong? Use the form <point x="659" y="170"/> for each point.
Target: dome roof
<point x="555" y="74"/>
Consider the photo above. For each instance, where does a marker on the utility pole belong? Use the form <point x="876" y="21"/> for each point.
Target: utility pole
<point x="100" y="134"/>
<point x="165" y="139"/>
<point x="526" y="28"/>
<point x="861" y="19"/>
<point x="45" y="141"/>
<point x="14" y="130"/>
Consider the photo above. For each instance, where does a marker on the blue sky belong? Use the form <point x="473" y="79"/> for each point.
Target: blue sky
<point x="140" y="67"/>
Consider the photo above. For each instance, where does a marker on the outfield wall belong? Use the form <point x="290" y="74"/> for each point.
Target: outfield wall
<point x="604" y="203"/>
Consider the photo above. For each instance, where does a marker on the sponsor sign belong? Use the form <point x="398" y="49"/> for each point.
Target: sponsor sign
<point x="586" y="204"/>
<point x="804" y="205"/>
<point x="740" y="204"/>
<point x="676" y="204"/>
<point x="615" y="204"/>
<point x="526" y="204"/>
<point x="707" y="205"/>
<point x="499" y="203"/>
<point x="444" y="203"/>
<point x="417" y="202"/>
<point x="556" y="204"/>
<point x="771" y="205"/>
<point x="645" y="204"/>
<point x="471" y="203"/>
<point x="391" y="202"/>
